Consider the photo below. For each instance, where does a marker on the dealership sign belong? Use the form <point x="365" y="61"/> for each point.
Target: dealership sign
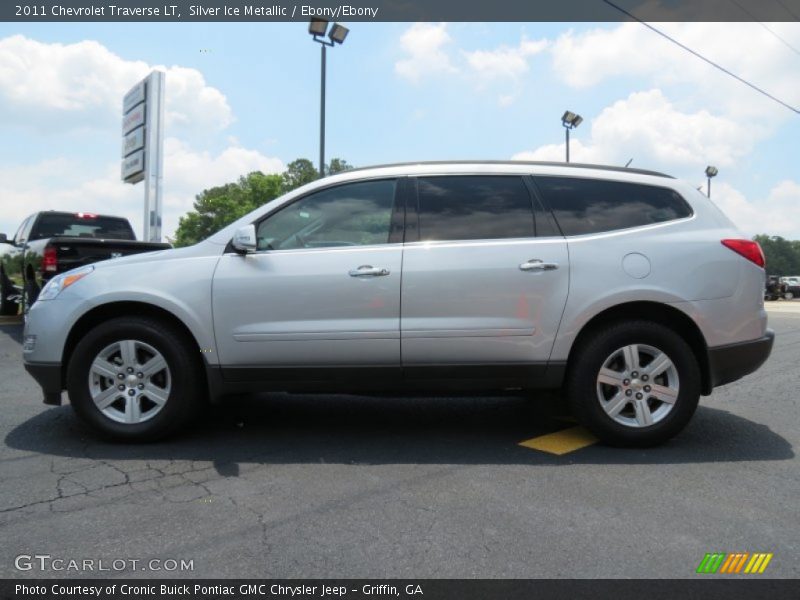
<point x="142" y="142"/>
<point x="133" y="167"/>
<point x="132" y="142"/>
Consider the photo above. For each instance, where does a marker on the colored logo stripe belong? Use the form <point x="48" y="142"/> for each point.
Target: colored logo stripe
<point x="721" y="562"/>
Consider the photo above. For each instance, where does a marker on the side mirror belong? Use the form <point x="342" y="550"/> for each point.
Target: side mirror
<point x="244" y="240"/>
<point x="3" y="238"/>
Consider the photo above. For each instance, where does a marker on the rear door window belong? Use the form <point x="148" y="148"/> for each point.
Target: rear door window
<point x="583" y="206"/>
<point x="474" y="207"/>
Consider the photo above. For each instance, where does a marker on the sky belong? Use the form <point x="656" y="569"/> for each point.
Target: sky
<point x="243" y="97"/>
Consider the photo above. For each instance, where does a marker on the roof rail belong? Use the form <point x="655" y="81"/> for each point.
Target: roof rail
<point x="517" y="162"/>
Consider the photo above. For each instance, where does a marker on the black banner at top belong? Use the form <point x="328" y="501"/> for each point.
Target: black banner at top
<point x="398" y="10"/>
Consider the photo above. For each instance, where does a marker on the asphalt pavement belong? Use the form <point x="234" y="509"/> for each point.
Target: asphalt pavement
<point x="342" y="486"/>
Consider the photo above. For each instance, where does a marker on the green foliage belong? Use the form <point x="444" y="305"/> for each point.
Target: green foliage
<point x="222" y="205"/>
<point x="299" y="172"/>
<point x="337" y="165"/>
<point x="783" y="256"/>
<point x="219" y="206"/>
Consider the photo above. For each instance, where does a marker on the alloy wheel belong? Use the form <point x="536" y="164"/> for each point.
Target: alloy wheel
<point x="129" y="381"/>
<point x="637" y="385"/>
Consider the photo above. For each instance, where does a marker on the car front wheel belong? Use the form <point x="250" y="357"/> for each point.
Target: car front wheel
<point x="134" y="379"/>
<point x="634" y="383"/>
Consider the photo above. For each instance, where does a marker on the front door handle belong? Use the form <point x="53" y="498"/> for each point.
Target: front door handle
<point x="369" y="271"/>
<point x="536" y="264"/>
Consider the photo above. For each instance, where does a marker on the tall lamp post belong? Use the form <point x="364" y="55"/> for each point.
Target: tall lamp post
<point x="317" y="28"/>
<point x="570" y="120"/>
<point x="710" y="172"/>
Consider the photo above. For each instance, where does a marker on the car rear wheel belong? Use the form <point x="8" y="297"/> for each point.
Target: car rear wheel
<point x="634" y="383"/>
<point x="788" y="296"/>
<point x="134" y="379"/>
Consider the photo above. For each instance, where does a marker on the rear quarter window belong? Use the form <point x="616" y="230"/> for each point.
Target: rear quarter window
<point x="583" y="206"/>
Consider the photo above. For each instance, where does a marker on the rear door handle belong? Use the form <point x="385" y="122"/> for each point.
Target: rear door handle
<point x="536" y="264"/>
<point x="369" y="271"/>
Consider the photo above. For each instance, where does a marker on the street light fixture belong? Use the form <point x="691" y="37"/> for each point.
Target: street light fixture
<point x="570" y="120"/>
<point x="338" y="33"/>
<point x="710" y="172"/>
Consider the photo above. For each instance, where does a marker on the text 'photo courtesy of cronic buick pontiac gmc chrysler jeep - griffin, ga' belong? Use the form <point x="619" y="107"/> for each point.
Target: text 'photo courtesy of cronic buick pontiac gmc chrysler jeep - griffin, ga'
<point x="627" y="289"/>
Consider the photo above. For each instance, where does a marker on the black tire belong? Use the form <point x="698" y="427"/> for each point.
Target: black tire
<point x="182" y="359"/>
<point x="30" y="293"/>
<point x="581" y="385"/>
<point x="7" y="308"/>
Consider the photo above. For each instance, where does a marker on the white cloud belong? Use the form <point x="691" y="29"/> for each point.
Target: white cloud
<point x="71" y="86"/>
<point x="430" y="52"/>
<point x="425" y="44"/>
<point x="63" y="87"/>
<point x="747" y="49"/>
<point x="504" y="62"/>
<point x="63" y="184"/>
<point x="776" y="214"/>
<point x="647" y="127"/>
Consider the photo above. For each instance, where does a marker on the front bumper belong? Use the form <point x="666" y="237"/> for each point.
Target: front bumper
<point x="734" y="361"/>
<point x="48" y="375"/>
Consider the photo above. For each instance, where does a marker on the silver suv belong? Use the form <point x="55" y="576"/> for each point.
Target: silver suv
<point x="627" y="288"/>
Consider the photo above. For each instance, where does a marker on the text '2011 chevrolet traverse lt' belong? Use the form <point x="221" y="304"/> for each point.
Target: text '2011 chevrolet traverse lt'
<point x="629" y="289"/>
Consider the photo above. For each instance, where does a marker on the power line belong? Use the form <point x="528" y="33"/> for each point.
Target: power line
<point x="786" y="8"/>
<point x="752" y="16"/>
<point x="703" y="58"/>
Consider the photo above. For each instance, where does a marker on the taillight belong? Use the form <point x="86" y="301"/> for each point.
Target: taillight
<point x="50" y="260"/>
<point x="747" y="248"/>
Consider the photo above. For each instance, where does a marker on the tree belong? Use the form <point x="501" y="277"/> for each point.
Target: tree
<point x="222" y="205"/>
<point x="299" y="172"/>
<point x="219" y="206"/>
<point x="783" y="256"/>
<point x="302" y="171"/>
<point x="338" y="165"/>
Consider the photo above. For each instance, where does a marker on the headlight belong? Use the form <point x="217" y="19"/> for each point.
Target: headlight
<point x="61" y="282"/>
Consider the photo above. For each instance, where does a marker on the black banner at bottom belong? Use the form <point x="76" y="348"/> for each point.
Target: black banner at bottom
<point x="406" y="589"/>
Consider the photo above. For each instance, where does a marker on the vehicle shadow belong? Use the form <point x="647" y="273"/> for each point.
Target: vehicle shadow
<point x="287" y="429"/>
<point x="12" y="327"/>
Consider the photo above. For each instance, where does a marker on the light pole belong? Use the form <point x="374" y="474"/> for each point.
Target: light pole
<point x="710" y="172"/>
<point x="337" y="35"/>
<point x="570" y="120"/>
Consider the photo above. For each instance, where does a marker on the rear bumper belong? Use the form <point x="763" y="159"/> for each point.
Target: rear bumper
<point x="734" y="361"/>
<point x="47" y="375"/>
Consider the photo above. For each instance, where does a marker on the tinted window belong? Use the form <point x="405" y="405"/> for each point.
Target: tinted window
<point x="20" y="235"/>
<point x="81" y="225"/>
<point x="592" y="205"/>
<point x="474" y="208"/>
<point x="354" y="214"/>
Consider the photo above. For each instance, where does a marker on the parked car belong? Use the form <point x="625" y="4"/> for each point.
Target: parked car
<point x="774" y="288"/>
<point x="49" y="243"/>
<point x="627" y="288"/>
<point x="792" y="287"/>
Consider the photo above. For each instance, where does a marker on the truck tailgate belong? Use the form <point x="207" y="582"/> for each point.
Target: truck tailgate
<point x="75" y="252"/>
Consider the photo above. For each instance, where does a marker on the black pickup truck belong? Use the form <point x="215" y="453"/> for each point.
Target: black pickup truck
<point x="49" y="243"/>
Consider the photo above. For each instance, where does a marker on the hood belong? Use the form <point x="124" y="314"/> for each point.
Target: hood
<point x="201" y="249"/>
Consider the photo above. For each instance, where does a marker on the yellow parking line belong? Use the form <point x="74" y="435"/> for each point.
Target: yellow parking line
<point x="561" y="442"/>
